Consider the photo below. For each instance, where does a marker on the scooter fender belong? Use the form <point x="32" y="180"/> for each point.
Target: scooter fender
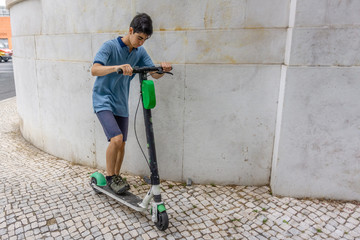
<point x="100" y="179"/>
<point x="155" y="208"/>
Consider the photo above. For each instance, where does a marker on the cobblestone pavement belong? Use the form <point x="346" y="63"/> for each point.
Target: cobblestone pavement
<point x="44" y="197"/>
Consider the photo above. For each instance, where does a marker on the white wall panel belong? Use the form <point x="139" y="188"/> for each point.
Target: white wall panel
<point x="229" y="122"/>
<point x="319" y="153"/>
<point x="26" y="18"/>
<point x="321" y="13"/>
<point x="265" y="13"/>
<point x="96" y="16"/>
<point x="27" y="99"/>
<point x="168" y="47"/>
<point x="70" y="47"/>
<point x="194" y="15"/>
<point x="24" y="47"/>
<point x="66" y="114"/>
<point x="329" y="46"/>
<point x="236" y="46"/>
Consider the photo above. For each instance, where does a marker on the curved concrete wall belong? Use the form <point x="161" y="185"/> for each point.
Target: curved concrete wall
<point x="215" y="117"/>
<point x="218" y="119"/>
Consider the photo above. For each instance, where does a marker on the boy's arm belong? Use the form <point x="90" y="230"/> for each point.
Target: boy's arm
<point x="166" y="68"/>
<point x="100" y="70"/>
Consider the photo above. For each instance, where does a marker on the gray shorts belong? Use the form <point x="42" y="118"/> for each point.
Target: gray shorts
<point x="113" y="125"/>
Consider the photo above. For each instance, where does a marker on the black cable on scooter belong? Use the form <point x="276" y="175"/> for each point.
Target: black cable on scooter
<point x="137" y="139"/>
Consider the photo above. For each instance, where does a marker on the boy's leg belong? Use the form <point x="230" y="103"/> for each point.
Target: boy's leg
<point x="119" y="159"/>
<point x="115" y="137"/>
<point x="123" y="123"/>
<point x="114" y="157"/>
<point x="115" y="128"/>
<point x="112" y="153"/>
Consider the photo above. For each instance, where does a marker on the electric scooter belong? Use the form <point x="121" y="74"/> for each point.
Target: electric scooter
<point x="98" y="180"/>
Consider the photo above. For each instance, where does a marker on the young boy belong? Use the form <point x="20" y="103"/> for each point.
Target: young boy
<point x="111" y="91"/>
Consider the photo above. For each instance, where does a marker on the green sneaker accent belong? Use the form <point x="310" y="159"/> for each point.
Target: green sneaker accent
<point x="100" y="179"/>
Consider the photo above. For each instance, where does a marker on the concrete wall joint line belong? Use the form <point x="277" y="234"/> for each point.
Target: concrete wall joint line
<point x="279" y="113"/>
<point x="184" y="112"/>
<point x="235" y="64"/>
<point x="292" y="15"/>
<point x="35" y="48"/>
<point x="19" y="57"/>
<point x="278" y="124"/>
<point x="183" y="130"/>
<point x="289" y="35"/>
<point x="25" y="35"/>
<point x="39" y="102"/>
<point x="218" y="29"/>
<point x="324" y="66"/>
<point x="63" y="60"/>
<point x="246" y="6"/>
<point x="329" y="27"/>
<point x="123" y="31"/>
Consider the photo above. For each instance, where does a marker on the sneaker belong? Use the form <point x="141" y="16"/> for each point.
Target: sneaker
<point x="119" y="185"/>
<point x="108" y="180"/>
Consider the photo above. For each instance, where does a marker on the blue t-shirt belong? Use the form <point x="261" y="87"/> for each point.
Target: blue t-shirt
<point x="111" y="92"/>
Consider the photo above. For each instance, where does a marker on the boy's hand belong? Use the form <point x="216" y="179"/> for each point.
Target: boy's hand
<point x="166" y="66"/>
<point x="127" y="69"/>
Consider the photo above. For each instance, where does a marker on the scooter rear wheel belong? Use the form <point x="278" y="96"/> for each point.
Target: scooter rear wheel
<point x="94" y="181"/>
<point x="162" y="221"/>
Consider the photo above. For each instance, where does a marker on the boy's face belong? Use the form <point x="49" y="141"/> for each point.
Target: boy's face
<point x="137" y="39"/>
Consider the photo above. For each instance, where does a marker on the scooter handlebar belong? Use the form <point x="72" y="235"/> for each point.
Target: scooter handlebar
<point x="143" y="70"/>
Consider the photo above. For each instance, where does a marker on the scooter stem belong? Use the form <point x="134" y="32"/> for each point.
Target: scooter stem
<point x="155" y="180"/>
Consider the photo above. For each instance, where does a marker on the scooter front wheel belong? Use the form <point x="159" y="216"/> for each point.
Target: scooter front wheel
<point x="162" y="221"/>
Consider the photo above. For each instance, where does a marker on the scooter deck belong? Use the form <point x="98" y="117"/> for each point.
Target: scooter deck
<point x="127" y="198"/>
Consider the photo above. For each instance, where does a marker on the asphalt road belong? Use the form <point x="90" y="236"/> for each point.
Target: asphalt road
<point x="7" y="85"/>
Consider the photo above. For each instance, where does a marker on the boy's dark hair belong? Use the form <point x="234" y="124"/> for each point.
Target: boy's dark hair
<point x="142" y="23"/>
